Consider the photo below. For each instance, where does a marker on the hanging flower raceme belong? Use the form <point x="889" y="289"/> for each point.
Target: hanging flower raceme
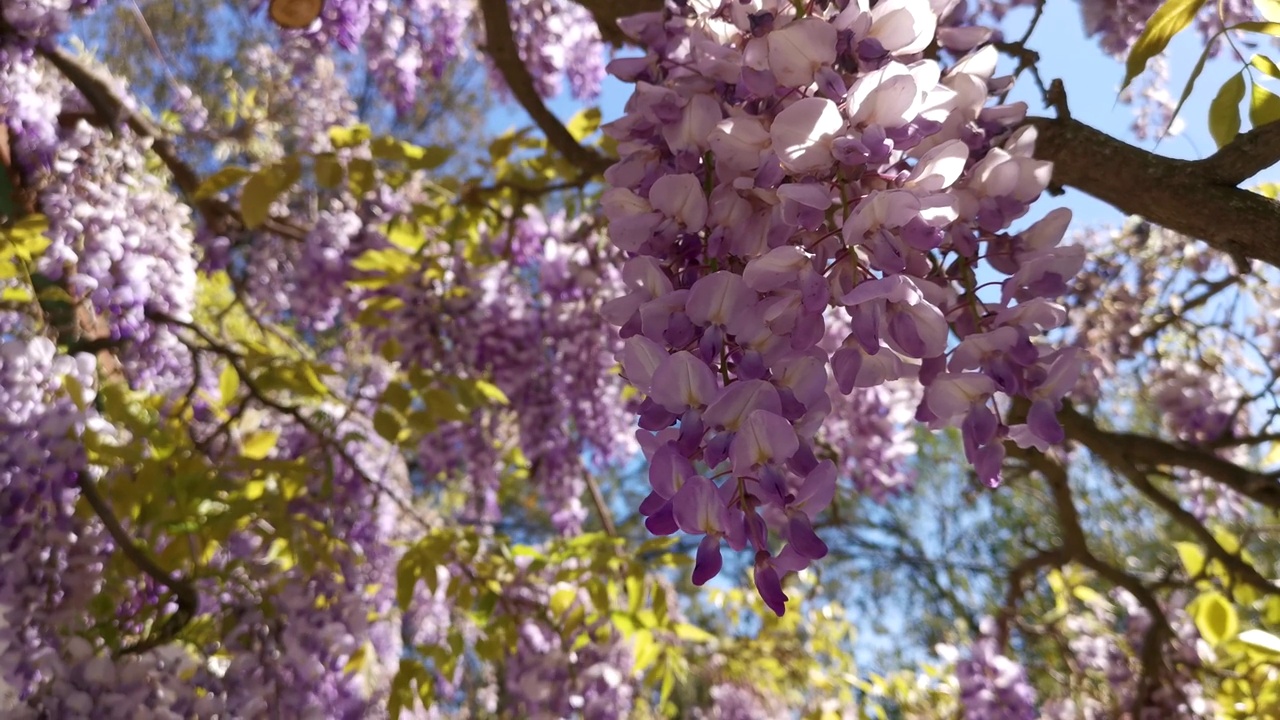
<point x="777" y="166"/>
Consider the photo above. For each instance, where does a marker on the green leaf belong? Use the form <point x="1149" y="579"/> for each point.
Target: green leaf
<point x="1261" y="640"/>
<point x="668" y="683"/>
<point x="561" y="600"/>
<point x="219" y="181"/>
<point x="1264" y="63"/>
<point x="402" y="696"/>
<point x="1224" y="111"/>
<point x="349" y="137"/>
<point x="1266" y="28"/>
<point x="645" y="650"/>
<point x="16" y="295"/>
<point x="492" y="392"/>
<point x="1227" y="540"/>
<point x="360" y="176"/>
<point x="261" y="190"/>
<point x="56" y="294"/>
<point x="390" y="261"/>
<point x="1192" y="558"/>
<point x="406" y="236"/>
<point x="388" y="424"/>
<point x="257" y="445"/>
<point x="1169" y="20"/>
<point x="416" y="157"/>
<point x="693" y="633"/>
<point x="406" y="580"/>
<point x="328" y="171"/>
<point x="1191" y="81"/>
<point x="228" y="384"/>
<point x="1264" y="106"/>
<point x="1216" y="618"/>
<point x="584" y="124"/>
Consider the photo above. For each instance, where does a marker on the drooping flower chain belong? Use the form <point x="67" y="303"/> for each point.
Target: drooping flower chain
<point x="774" y="166"/>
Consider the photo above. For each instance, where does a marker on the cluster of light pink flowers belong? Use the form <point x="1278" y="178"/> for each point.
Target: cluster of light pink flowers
<point x="776" y="164"/>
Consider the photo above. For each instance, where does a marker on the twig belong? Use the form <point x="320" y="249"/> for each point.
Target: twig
<point x="602" y="509"/>
<point x="1183" y="195"/>
<point x="1118" y="449"/>
<point x="1235" y="564"/>
<point x="500" y="44"/>
<point x="1244" y="157"/>
<point x="112" y="109"/>
<point x="256" y="392"/>
<point x="183" y="592"/>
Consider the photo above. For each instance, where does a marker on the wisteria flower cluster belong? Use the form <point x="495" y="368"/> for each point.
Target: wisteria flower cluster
<point x="409" y="45"/>
<point x="775" y="165"/>
<point x="994" y="686"/>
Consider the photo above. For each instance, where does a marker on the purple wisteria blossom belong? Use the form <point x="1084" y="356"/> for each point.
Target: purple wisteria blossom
<point x="776" y="168"/>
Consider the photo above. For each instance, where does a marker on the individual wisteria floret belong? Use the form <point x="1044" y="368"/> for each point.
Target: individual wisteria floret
<point x="775" y="167"/>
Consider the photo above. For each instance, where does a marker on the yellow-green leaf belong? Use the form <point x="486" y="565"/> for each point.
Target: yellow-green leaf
<point x="1266" y="28"/>
<point x="328" y="171"/>
<point x="257" y="445"/>
<point x="645" y="650"/>
<point x="349" y="137"/>
<point x="16" y="295"/>
<point x="693" y="633"/>
<point x="1192" y="558"/>
<point x="221" y="180"/>
<point x="1224" y="111"/>
<point x="360" y="176"/>
<point x="261" y="190"/>
<point x="387" y="424"/>
<point x="254" y="489"/>
<point x="56" y="294"/>
<point x="1170" y="19"/>
<point x="583" y="124"/>
<point x="29" y="231"/>
<point x="561" y="600"/>
<point x="1261" y="640"/>
<point x="356" y="663"/>
<point x="228" y="384"/>
<point x="1216" y="618"/>
<point x="1191" y="81"/>
<point x="383" y="261"/>
<point x="1264" y="63"/>
<point x="492" y="392"/>
<point x="406" y="235"/>
<point x="1264" y="106"/>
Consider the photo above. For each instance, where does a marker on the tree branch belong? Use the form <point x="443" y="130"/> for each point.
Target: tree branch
<point x="112" y="109"/>
<point x="1236" y="565"/>
<point x="1120" y="449"/>
<point x="183" y="591"/>
<point x="607" y="13"/>
<point x="1193" y="197"/>
<point x="500" y="44"/>
<point x="1074" y="542"/>
<point x="1246" y="156"/>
